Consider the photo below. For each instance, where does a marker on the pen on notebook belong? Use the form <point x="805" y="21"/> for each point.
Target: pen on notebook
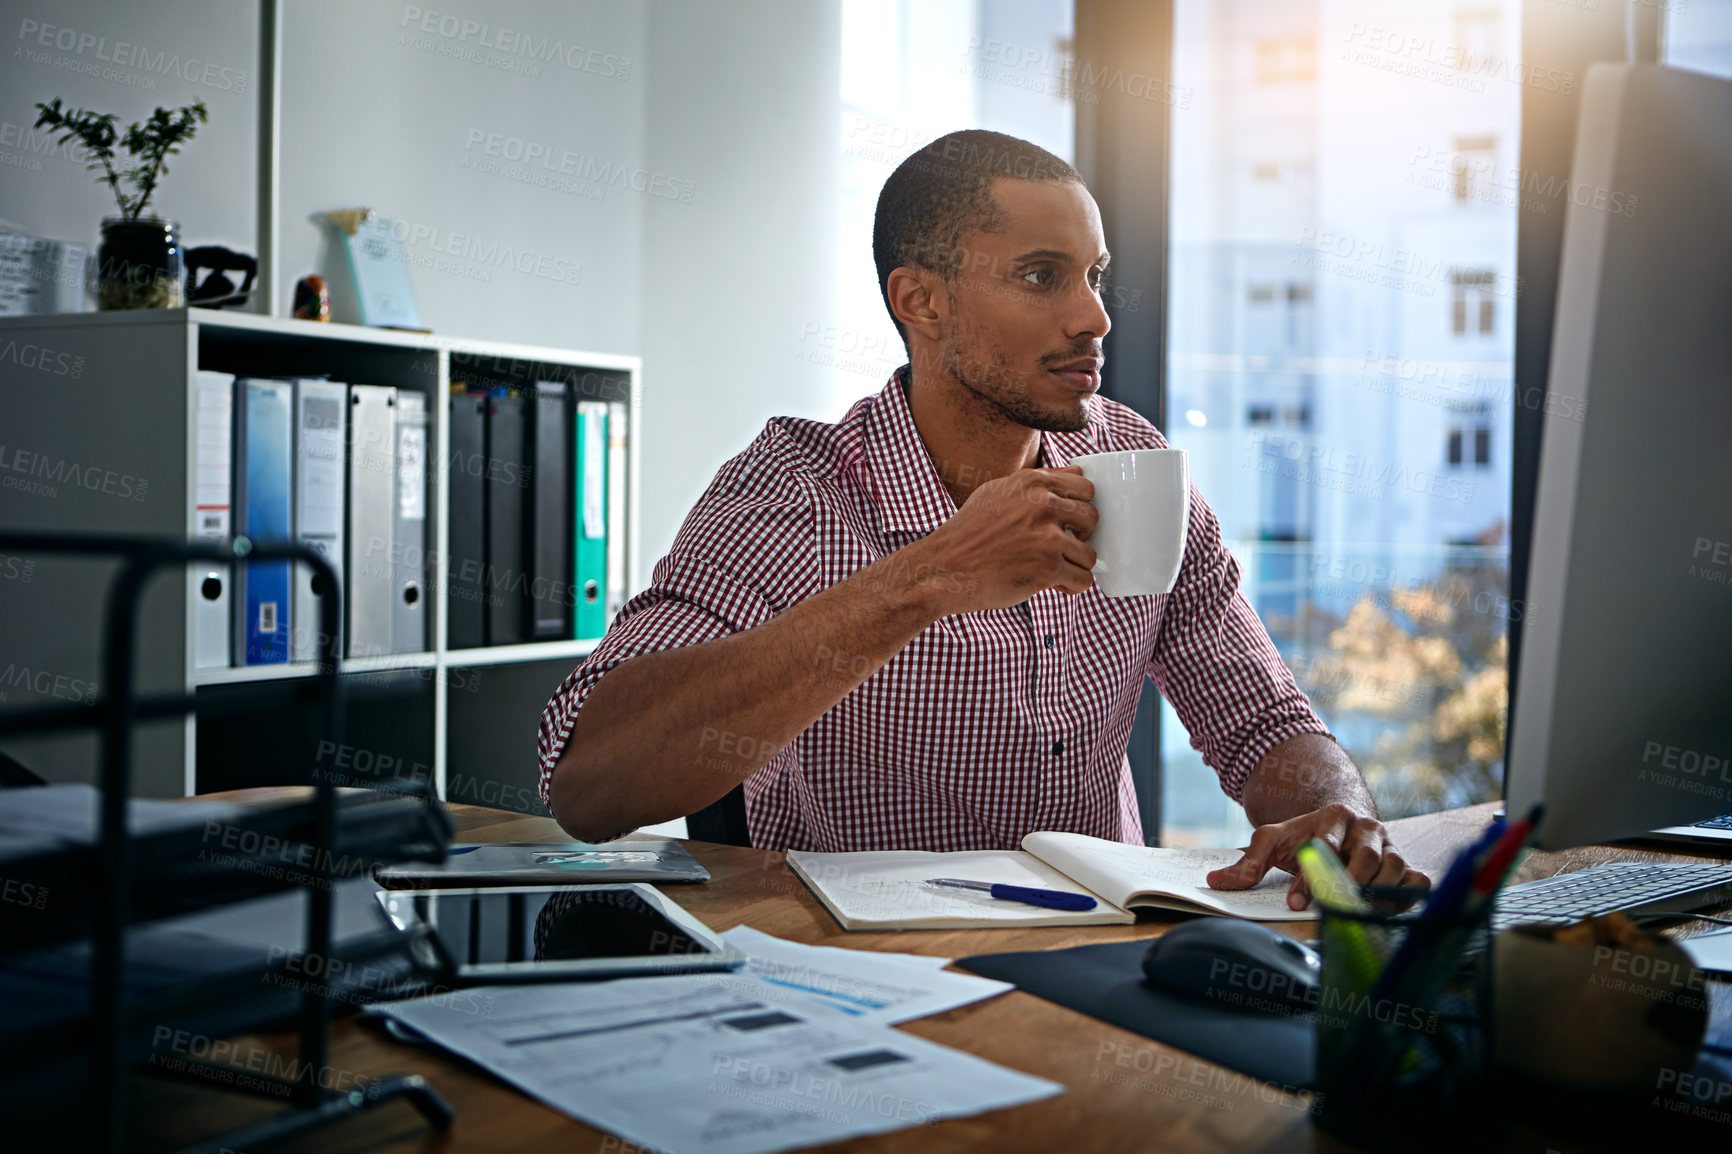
<point x="1027" y="895"/>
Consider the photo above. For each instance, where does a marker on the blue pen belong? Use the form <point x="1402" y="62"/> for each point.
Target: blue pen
<point x="1027" y="895"/>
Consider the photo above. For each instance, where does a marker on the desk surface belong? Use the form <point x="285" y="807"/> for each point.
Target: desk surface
<point x="1114" y="1098"/>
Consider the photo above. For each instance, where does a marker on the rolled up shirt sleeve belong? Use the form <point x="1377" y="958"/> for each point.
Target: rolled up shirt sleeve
<point x="1214" y="662"/>
<point x="729" y="570"/>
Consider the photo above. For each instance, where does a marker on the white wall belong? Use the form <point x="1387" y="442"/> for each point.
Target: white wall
<point x="727" y="106"/>
<point x="128" y="59"/>
<point x="742" y="102"/>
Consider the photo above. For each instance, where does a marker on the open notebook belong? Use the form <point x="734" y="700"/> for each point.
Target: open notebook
<point x="887" y="890"/>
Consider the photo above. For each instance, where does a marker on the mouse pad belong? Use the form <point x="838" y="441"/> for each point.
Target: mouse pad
<point x="1106" y="982"/>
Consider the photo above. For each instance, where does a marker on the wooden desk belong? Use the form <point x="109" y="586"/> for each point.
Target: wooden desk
<point x="1123" y="1091"/>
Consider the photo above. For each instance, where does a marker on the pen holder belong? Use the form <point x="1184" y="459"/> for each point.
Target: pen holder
<point x="1402" y="1055"/>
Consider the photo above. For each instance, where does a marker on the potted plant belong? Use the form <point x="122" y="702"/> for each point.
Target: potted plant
<point x="140" y="259"/>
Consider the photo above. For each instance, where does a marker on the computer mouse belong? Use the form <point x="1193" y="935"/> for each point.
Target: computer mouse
<point x="1235" y="963"/>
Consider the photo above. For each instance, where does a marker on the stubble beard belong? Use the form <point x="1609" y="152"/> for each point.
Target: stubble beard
<point x="1005" y="392"/>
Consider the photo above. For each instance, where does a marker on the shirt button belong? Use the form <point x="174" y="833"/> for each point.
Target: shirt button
<point x="1057" y="748"/>
<point x="1050" y="643"/>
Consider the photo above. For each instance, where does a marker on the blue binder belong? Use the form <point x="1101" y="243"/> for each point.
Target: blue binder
<point x="263" y="450"/>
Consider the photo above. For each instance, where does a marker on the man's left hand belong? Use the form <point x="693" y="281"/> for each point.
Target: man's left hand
<point x="1362" y="842"/>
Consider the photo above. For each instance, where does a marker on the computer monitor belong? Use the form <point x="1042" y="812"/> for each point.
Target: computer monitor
<point x="1622" y="717"/>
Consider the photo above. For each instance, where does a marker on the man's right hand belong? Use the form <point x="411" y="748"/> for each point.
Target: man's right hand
<point x="1012" y="538"/>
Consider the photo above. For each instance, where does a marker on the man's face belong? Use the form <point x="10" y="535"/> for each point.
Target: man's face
<point x="1025" y="317"/>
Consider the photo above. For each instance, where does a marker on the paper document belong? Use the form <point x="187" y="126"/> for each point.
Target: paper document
<point x="712" y="1063"/>
<point x="866" y="984"/>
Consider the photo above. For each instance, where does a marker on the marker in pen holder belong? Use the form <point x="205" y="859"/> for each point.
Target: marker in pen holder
<point x="1403" y="1067"/>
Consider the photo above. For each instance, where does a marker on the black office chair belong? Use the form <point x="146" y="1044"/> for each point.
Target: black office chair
<point x="723" y="820"/>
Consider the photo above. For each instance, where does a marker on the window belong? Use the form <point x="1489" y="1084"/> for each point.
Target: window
<point x="1286" y="59"/>
<point x="1470" y="437"/>
<point x="1698" y="36"/>
<point x="1475" y="158"/>
<point x="911" y="71"/>
<point x="1313" y="321"/>
<point x="1472" y="310"/>
<point x="1476" y="34"/>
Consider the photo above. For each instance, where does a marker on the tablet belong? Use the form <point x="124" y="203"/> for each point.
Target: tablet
<point x="656" y="860"/>
<point x="558" y="933"/>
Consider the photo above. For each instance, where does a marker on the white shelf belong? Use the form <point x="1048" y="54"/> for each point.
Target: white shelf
<point x="237" y="674"/>
<point x="488" y="655"/>
<point x="529" y="651"/>
<point x="115" y="398"/>
<point x="315" y="330"/>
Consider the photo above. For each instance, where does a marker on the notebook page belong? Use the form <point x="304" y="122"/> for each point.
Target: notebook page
<point x="887" y="890"/>
<point x="1127" y="874"/>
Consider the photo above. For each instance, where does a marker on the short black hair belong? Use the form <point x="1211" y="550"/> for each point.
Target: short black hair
<point x="943" y="192"/>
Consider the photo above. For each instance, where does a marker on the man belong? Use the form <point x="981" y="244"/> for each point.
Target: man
<point x="886" y="628"/>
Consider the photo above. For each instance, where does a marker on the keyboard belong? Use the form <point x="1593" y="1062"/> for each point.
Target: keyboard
<point x="1632" y="887"/>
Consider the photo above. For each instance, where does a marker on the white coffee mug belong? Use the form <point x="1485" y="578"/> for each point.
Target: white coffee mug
<point x="1144" y="499"/>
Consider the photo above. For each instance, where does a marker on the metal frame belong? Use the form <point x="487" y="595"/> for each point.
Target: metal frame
<point x="115" y="714"/>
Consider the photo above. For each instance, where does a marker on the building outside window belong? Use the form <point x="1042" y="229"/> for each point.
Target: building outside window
<point x="1327" y="332"/>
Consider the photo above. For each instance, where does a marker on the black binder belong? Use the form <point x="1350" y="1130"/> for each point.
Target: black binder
<point x="547" y="528"/>
<point x="506" y="484"/>
<point x="466" y="585"/>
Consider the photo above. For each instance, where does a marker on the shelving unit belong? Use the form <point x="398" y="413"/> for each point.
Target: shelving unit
<point x="101" y="406"/>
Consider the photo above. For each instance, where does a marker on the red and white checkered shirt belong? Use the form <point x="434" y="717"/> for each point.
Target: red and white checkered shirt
<point x="988" y="725"/>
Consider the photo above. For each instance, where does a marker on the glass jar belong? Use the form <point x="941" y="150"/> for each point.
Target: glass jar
<point x="140" y="264"/>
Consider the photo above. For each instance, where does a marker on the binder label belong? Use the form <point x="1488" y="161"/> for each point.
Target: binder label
<point x="411" y="487"/>
<point x="594" y="470"/>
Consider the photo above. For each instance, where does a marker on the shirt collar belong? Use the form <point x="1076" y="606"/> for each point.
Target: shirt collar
<point x="911" y="496"/>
